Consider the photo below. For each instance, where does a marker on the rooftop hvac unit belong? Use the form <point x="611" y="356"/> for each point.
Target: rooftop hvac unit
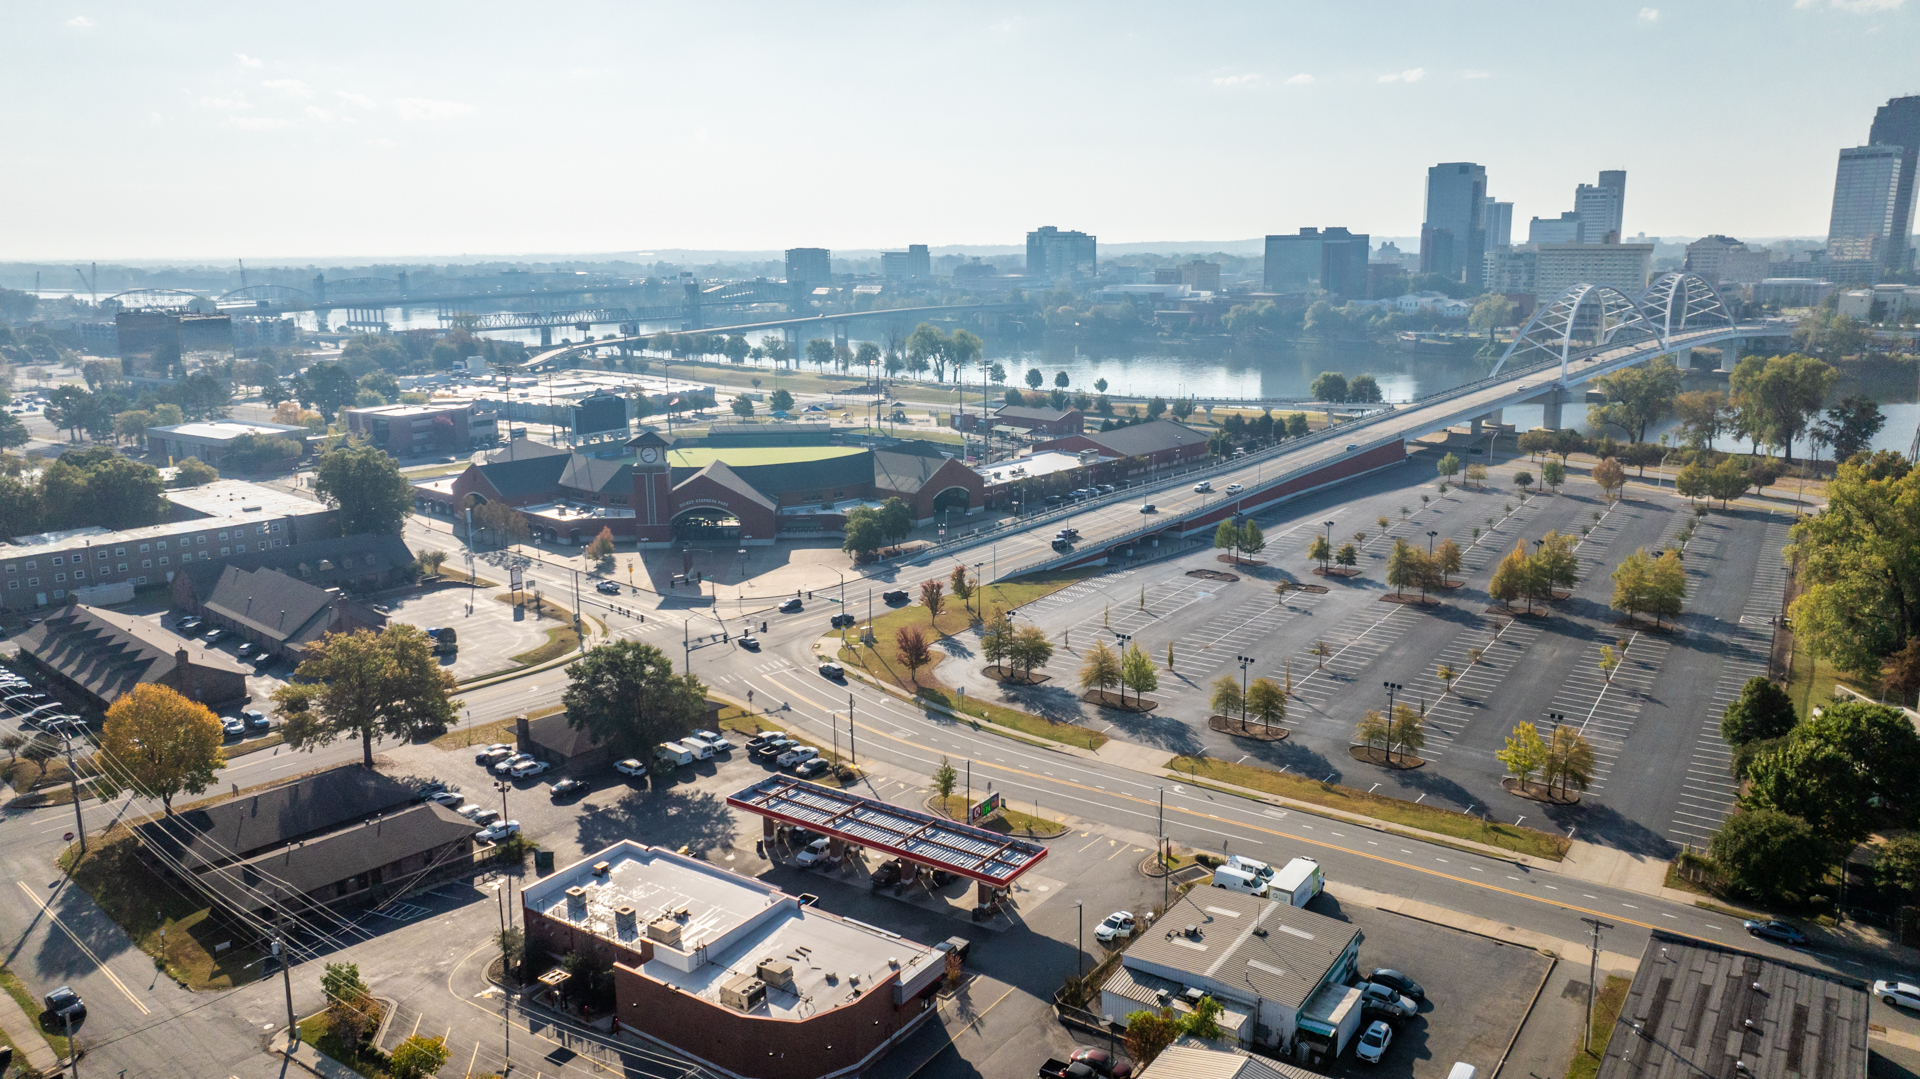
<point x="625" y="921"/>
<point x="744" y="993"/>
<point x="664" y="931"/>
<point x="601" y="869"/>
<point x="576" y="902"/>
<point x="776" y="973"/>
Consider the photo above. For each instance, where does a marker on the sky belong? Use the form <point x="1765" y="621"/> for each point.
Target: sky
<point x="272" y="131"/>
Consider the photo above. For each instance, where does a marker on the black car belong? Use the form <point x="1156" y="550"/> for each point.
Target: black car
<point x="791" y="606"/>
<point x="888" y="873"/>
<point x="1062" y="545"/>
<point x="898" y="595"/>
<point x="772" y="749"/>
<point x="1398" y="982"/>
<point x="567" y="788"/>
<point x="842" y="620"/>
<point x="64" y="1006"/>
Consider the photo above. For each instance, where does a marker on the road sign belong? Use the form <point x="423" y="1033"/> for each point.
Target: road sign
<point x="68" y="837"/>
<point x="514" y="575"/>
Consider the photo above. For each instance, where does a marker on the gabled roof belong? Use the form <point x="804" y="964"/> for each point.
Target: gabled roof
<point x="904" y="473"/>
<point x="527" y="477"/>
<point x="553" y="734"/>
<point x="726" y="477"/>
<point x="268" y="602"/>
<point x="107" y="653"/>
<point x="244" y="826"/>
<point x="1032" y="414"/>
<point x="1144" y="438"/>
<point x="524" y="449"/>
<point x="323" y="562"/>
<point x="297" y="869"/>
<point x="585" y="473"/>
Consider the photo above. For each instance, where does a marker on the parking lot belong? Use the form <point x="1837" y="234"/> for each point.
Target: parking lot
<point x="490" y="635"/>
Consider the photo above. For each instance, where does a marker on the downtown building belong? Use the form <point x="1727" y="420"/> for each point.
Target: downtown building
<point x="1318" y="260"/>
<point x="1870" y="230"/>
<point x="1052" y="254"/>
<point x="1453" y="234"/>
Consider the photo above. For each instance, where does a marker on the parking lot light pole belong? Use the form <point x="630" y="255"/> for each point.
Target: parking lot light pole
<point x="1430" y="534"/>
<point x="1080" y="943"/>
<point x="1392" y="688"/>
<point x="1245" y="661"/>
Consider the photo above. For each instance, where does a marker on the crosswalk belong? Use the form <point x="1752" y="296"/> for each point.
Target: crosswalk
<point x="1707" y="794"/>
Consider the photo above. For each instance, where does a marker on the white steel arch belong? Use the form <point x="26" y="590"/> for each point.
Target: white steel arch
<point x="1593" y="315"/>
<point x="1678" y="301"/>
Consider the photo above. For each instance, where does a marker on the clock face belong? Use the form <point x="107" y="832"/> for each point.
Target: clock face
<point x="649" y="454"/>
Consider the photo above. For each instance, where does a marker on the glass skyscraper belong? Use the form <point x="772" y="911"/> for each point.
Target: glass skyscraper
<point x="1866" y="206"/>
<point x="1453" y="236"/>
<point x="1898" y="124"/>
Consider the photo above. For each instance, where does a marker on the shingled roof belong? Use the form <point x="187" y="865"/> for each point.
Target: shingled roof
<point x="270" y="603"/>
<point x="107" y="653"/>
<point x="298" y="869"/>
<point x="242" y="827"/>
<point x="526" y="477"/>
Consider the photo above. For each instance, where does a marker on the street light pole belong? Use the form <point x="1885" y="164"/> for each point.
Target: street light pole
<point x="1166" y="871"/>
<point x="1080" y="942"/>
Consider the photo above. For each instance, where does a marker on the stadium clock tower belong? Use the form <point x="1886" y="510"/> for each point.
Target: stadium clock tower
<point x="652" y="489"/>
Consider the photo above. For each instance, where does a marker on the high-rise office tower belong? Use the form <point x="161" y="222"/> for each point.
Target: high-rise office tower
<point x="1898" y="124"/>
<point x="1052" y="254"/>
<point x="809" y="265"/>
<point x="1333" y="259"/>
<point x="1499" y="216"/>
<point x="1602" y="206"/>
<point x="1866" y="200"/>
<point x="1453" y="236"/>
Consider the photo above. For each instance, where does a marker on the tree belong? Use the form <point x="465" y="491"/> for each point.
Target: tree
<point x="1769" y="854"/>
<point x="365" y="488"/>
<point x="1553" y="474"/>
<point x="1667" y="586"/>
<point x="1252" y="539"/>
<point x="367" y="685"/>
<point x="1610" y="477"/>
<point x="626" y="696"/>
<point x="1524" y="754"/>
<point x="1850" y="426"/>
<point x="1788" y="393"/>
<point x="1372" y="730"/>
<point x="1297" y="425"/>
<point x="508" y="525"/>
<point x="1348" y="555"/>
<point x="912" y="649"/>
<point x="1227" y="538"/>
<point x="1448" y="466"/>
<point x="1408" y="731"/>
<point x="1320" y="551"/>
<point x="1404" y="566"/>
<point x="1101" y="668"/>
<point x="1513" y="577"/>
<point x="1523" y="480"/>
<point x="1633" y="583"/>
<point x="865" y="531"/>
<point x="1841" y="769"/>
<point x="1446" y="559"/>
<point x="742" y="406"/>
<point x="1030" y="649"/>
<point x="959" y="584"/>
<point x="351" y="1009"/>
<point x="419" y="1057"/>
<point x="330" y="387"/>
<point x="1363" y="390"/>
<point x="13" y="742"/>
<point x="1554" y="564"/>
<point x="1228" y="699"/>
<point x="1897" y="864"/>
<point x="1636" y="397"/>
<point x="1137" y="672"/>
<point x="945" y="778"/>
<point x="1569" y="761"/>
<point x="1149" y="1033"/>
<point x="1859" y="562"/>
<point x="1476" y="474"/>
<point x="933" y="597"/>
<point x="1763" y="710"/>
<point x="1900" y="672"/>
<point x="780" y="401"/>
<point x="1703" y="416"/>
<point x="1267" y="701"/>
<point x="162" y="743"/>
<point x="1535" y="442"/>
<point x="1330" y="386"/>
<point x="193" y="472"/>
<point x="601" y="549"/>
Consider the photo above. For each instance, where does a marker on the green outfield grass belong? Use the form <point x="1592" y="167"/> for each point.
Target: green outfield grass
<point x="740" y="456"/>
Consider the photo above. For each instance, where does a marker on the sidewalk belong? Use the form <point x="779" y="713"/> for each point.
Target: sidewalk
<point x="317" y="1062"/>
<point x="26" y="1035"/>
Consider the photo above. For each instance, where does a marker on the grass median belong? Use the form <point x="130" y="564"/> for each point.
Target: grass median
<point x="1606" y="1012"/>
<point x="1444" y="822"/>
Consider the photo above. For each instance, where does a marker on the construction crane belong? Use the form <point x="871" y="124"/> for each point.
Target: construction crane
<point x="83" y="284"/>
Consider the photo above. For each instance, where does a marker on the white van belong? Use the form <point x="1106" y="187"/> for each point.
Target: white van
<point x="700" y="748"/>
<point x="674" y="754"/>
<point x="1463" y="1070"/>
<point x="1252" y="866"/>
<point x="1236" y="880"/>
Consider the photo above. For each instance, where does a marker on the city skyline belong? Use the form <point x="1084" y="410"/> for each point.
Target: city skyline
<point x="258" y="134"/>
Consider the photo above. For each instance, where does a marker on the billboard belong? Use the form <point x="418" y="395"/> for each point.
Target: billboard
<point x="599" y="415"/>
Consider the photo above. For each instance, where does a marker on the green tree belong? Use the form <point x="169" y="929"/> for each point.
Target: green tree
<point x="1030" y="649"/>
<point x="1409" y="731"/>
<point x="1372" y="731"/>
<point x="625" y="695"/>
<point x="1553" y="474"/>
<point x="1703" y="416"/>
<point x="1252" y="539"/>
<point x="366" y="490"/>
<point x="1227" y="538"/>
<point x="1297" y="425"/>
<point x="1554" y="564"/>
<point x="1101" y="668"/>
<point x="1149" y="1034"/>
<point x="1449" y="466"/>
<point x="1897" y="864"/>
<point x="742" y="406"/>
<point x="1330" y="386"/>
<point x="1769" y="854"/>
<point x="1364" y="389"/>
<point x="1446" y="559"/>
<point x="418" y="1057"/>
<point x="163" y="743"/>
<point x="1667" y="586"/>
<point x="1227" y="698"/>
<point x="1859" y="567"/>
<point x="1403" y="566"/>
<point x="1267" y="702"/>
<point x="1489" y="313"/>
<point x="1850" y="426"/>
<point x="1841" y="769"/>
<point x="996" y="636"/>
<point x="1633" y="583"/>
<point x="1569" y="762"/>
<point x="1637" y="397"/>
<point x="780" y="401"/>
<point x="1137" y="671"/>
<point x="1790" y="392"/>
<point x="366" y="685"/>
<point x="945" y="778"/>
<point x="1513" y="577"/>
<point x="1320" y="551"/>
<point x="330" y="387"/>
<point x="1524" y="754"/>
<point x="1348" y="555"/>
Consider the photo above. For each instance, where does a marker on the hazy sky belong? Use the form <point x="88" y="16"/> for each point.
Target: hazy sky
<point x="271" y="130"/>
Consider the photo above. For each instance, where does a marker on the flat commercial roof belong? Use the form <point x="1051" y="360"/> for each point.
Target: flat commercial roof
<point x="913" y="834"/>
<point x="238" y="498"/>
<point x="227" y="430"/>
<point x="743" y="456"/>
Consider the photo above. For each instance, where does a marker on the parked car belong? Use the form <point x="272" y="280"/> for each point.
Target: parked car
<point x="256" y="719"/>
<point x="494" y="833"/>
<point x="1379" y="998"/>
<point x="842" y="620"/>
<point x="607" y="588"/>
<point x="774" y="746"/>
<point x="714" y="739"/>
<point x="632" y="766"/>
<point x="832" y="670"/>
<point x="493" y="753"/>
<point x="792" y="606"/>
<point x="1351" y="446"/>
<point x="888" y="873"/>
<point x="1373" y="1044"/>
<point x="1397" y="982"/>
<point x="897" y="595"/>
<point x="1149" y="508"/>
<point x="506" y="764"/>
<point x="213" y="636"/>
<point x="814" y="854"/>
<point x="529" y="769"/>
<point x="263" y="659"/>
<point x="1086" y="1063"/>
<point x="1106" y="488"/>
<point x="234" y="726"/>
<point x="761" y="739"/>
<point x="245" y="649"/>
<point x="450" y="799"/>
<point x="795" y="755"/>
<point x="1898" y="994"/>
<point x="1773" y="929"/>
<point x="482" y="817"/>
<point x="64" y="1004"/>
<point x="566" y="788"/>
<point x="189" y="625"/>
<point x="810" y="768"/>
<point x="1117" y="926"/>
<point x="1203" y="486"/>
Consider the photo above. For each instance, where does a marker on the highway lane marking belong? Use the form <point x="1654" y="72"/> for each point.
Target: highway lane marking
<point x="1470" y="882"/>
<point x="82" y="945"/>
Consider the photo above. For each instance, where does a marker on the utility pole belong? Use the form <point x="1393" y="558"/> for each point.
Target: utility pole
<point x="284" y="953"/>
<point x="1593" y="970"/>
<point x="1166" y="872"/>
<point x="851" y="751"/>
<point x="73" y="778"/>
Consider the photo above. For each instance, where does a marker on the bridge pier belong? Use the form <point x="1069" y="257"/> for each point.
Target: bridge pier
<point x="546" y="337"/>
<point x="1683" y="359"/>
<point x="1475" y="425"/>
<point x="839" y="335"/>
<point x="795" y="352"/>
<point x="1549" y="403"/>
<point x="1729" y="354"/>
